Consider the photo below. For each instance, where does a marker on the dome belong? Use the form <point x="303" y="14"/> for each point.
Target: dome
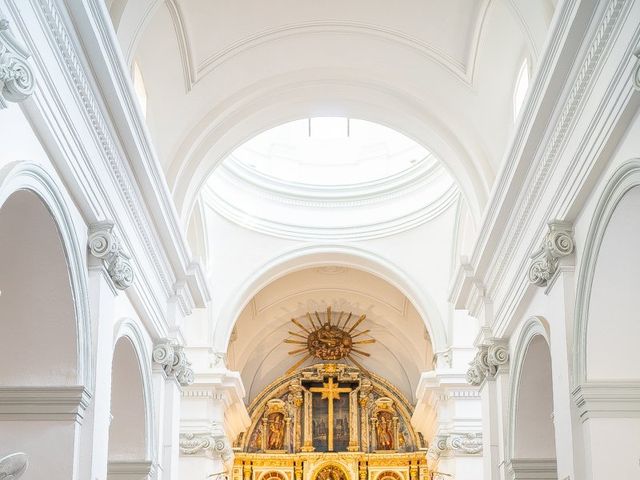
<point x="330" y="178"/>
<point x="330" y="151"/>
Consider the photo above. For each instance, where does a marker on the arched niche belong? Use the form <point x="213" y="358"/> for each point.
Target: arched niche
<point x="322" y="256"/>
<point x="41" y="341"/>
<point x="36" y="301"/>
<point x="531" y="440"/>
<point x="613" y="330"/>
<point x="129" y="434"/>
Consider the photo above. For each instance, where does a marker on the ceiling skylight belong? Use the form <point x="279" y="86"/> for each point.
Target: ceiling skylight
<point x="330" y="151"/>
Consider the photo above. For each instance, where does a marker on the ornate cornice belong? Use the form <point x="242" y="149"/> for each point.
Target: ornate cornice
<point x="28" y="403"/>
<point x="105" y="245"/>
<point x="13" y="466"/>
<point x="170" y="355"/>
<point x="16" y="76"/>
<point x="212" y="443"/>
<point x="486" y="362"/>
<point x="557" y="243"/>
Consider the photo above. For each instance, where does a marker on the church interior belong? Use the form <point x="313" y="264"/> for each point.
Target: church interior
<point x="319" y="240"/>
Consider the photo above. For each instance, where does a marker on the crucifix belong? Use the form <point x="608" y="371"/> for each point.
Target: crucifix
<point x="330" y="391"/>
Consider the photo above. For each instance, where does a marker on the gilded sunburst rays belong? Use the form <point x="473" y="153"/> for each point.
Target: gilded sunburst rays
<point x="330" y="339"/>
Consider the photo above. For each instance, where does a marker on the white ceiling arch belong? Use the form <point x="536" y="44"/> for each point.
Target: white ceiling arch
<point x="138" y="15"/>
<point x="302" y="258"/>
<point x="319" y="93"/>
<point x="402" y="349"/>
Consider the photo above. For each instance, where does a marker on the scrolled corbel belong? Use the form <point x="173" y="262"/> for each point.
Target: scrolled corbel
<point x="16" y="76"/>
<point x="170" y="355"/>
<point x="104" y="244"/>
<point x="557" y="243"/>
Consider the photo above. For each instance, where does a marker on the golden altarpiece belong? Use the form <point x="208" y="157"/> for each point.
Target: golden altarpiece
<point x="330" y="421"/>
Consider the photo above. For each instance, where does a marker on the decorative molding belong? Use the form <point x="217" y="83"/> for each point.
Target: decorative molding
<point x="497" y="244"/>
<point x="16" y="76"/>
<point x="170" y="355"/>
<point x="608" y="400"/>
<point x="106" y="246"/>
<point x="636" y="73"/>
<point x="212" y="443"/>
<point x="378" y="229"/>
<point x="43" y="403"/>
<point x="79" y="82"/>
<point x="455" y="444"/>
<point x="557" y="243"/>
<point x="13" y="466"/>
<point x="486" y="363"/>
<point x="533" y="468"/>
<point x="129" y="469"/>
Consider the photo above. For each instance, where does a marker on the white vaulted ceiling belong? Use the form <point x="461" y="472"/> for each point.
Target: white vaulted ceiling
<point x="219" y="72"/>
<point x="402" y="349"/>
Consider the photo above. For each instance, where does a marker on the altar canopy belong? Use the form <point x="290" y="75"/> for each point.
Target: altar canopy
<point x="330" y="422"/>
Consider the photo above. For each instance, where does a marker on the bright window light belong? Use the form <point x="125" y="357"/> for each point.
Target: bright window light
<point x="138" y="86"/>
<point x="520" y="92"/>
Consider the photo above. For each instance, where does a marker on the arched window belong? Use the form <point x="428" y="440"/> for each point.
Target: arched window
<point x="520" y="91"/>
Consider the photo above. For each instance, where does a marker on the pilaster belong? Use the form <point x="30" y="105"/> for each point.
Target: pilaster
<point x="448" y="413"/>
<point x="212" y="416"/>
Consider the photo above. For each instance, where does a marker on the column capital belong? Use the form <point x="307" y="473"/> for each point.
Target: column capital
<point x="16" y="75"/>
<point x="170" y="355"/>
<point x="557" y="243"/>
<point x="105" y="245"/>
<point x="455" y="444"/>
<point x="211" y="443"/>
<point x="487" y="362"/>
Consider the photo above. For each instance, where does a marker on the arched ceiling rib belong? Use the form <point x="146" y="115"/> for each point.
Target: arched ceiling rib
<point x="402" y="349"/>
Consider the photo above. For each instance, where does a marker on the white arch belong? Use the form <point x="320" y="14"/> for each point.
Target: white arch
<point x="626" y="177"/>
<point x="129" y="328"/>
<point x="24" y="175"/>
<point x="531" y="328"/>
<point x="314" y="92"/>
<point x="311" y="256"/>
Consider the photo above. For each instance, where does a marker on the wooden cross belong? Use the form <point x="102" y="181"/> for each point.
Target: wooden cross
<point x="330" y="391"/>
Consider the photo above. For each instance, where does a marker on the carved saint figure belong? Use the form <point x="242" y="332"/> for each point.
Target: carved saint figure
<point x="275" y="439"/>
<point x="383" y="432"/>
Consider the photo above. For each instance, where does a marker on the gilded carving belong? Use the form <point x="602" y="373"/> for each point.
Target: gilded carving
<point x="330" y="338"/>
<point x="331" y="472"/>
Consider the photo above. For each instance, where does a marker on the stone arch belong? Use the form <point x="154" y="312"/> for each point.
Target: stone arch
<point x="17" y="178"/>
<point x="607" y="285"/>
<point x="131" y="433"/>
<point x="530" y="445"/>
<point x="306" y="257"/>
<point x="44" y="312"/>
<point x="269" y="104"/>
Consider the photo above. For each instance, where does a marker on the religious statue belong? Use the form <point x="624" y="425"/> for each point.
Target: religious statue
<point x="384" y="434"/>
<point x="275" y="438"/>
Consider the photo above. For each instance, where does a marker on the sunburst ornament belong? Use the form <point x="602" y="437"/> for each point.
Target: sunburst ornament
<point x="332" y="339"/>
